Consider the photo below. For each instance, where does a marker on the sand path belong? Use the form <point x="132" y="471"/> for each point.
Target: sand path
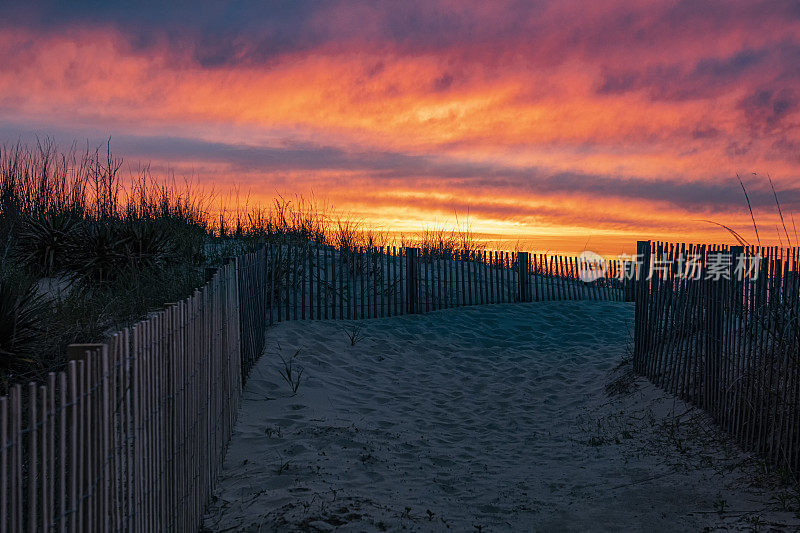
<point x="478" y="419"/>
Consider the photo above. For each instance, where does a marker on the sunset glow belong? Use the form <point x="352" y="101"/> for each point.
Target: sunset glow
<point x="557" y="125"/>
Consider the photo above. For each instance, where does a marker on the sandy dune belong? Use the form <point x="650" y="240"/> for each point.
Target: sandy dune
<point x="484" y="418"/>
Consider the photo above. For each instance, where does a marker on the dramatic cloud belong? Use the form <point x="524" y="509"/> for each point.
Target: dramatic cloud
<point x="615" y="118"/>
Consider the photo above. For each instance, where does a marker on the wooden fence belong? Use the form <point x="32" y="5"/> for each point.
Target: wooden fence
<point x="253" y="295"/>
<point x="315" y="281"/>
<point x="132" y="434"/>
<point x="726" y="338"/>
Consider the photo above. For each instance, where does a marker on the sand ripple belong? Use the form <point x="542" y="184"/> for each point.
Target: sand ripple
<point x="483" y="418"/>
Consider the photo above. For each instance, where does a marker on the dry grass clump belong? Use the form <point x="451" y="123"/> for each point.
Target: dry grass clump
<point x="441" y="242"/>
<point x="293" y="220"/>
<point x="85" y="250"/>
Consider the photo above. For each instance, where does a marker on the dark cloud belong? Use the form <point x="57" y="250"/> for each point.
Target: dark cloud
<point x="721" y="194"/>
<point x="398" y="169"/>
<point x="705" y="132"/>
<point x="729" y="67"/>
<point x="708" y="77"/>
<point x="443" y="82"/>
<point x="737" y="149"/>
<point x="542" y="31"/>
<point x="212" y="33"/>
<point x="767" y="108"/>
<point x="619" y="82"/>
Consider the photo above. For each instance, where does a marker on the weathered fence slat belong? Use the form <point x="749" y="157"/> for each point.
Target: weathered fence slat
<point x="725" y="339"/>
<point x="131" y="435"/>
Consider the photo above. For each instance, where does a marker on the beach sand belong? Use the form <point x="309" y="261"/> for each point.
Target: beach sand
<point x="492" y="418"/>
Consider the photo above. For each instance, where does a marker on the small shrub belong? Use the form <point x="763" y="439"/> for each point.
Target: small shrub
<point x="289" y="374"/>
<point x="43" y="242"/>
<point x="148" y="245"/>
<point x="22" y="313"/>
<point x="354" y="332"/>
<point x="98" y="253"/>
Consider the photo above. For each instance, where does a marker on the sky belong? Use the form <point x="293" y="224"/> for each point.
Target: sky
<point x="552" y="125"/>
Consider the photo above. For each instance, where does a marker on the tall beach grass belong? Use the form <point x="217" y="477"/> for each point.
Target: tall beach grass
<point x="88" y="246"/>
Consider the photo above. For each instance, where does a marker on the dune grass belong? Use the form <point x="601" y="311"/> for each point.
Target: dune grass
<point x="85" y="252"/>
<point x="87" y="247"/>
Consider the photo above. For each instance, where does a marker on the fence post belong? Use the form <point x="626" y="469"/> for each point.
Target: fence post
<point x="412" y="283"/>
<point x="734" y="312"/>
<point x="523" y="263"/>
<point x="737" y="258"/>
<point x="713" y="355"/>
<point x="628" y="284"/>
<point x="641" y="284"/>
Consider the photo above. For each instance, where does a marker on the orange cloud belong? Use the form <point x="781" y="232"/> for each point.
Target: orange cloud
<point x="613" y="120"/>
